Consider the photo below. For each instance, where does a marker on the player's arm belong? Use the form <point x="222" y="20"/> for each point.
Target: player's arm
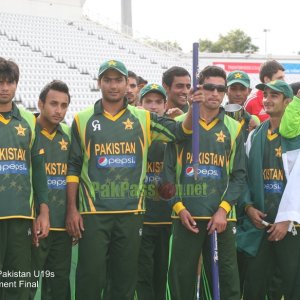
<point x="237" y="174"/>
<point x="169" y="178"/>
<point x="74" y="222"/>
<point x="39" y="183"/>
<point x="236" y="185"/>
<point x="168" y="130"/>
<point x="290" y="122"/>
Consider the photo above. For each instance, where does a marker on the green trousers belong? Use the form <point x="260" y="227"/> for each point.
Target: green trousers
<point x="114" y="238"/>
<point x="153" y="262"/>
<point x="284" y="255"/>
<point x="15" y="259"/>
<point x="186" y="248"/>
<point x="51" y="261"/>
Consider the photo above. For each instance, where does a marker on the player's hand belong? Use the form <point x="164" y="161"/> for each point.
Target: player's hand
<point x="252" y="125"/>
<point x="196" y="96"/>
<point x="278" y="231"/>
<point x="218" y="221"/>
<point x="41" y="225"/>
<point x="174" y="112"/>
<point x="74" y="223"/>
<point x="35" y="240"/>
<point x="256" y="216"/>
<point x="187" y="221"/>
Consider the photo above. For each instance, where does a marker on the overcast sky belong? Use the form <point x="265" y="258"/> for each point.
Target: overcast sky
<point x="186" y="21"/>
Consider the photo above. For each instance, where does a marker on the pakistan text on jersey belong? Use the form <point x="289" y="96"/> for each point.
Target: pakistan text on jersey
<point x="207" y="158"/>
<point x="273" y="174"/>
<point x="154" y="166"/>
<point x="56" y="168"/>
<point x="12" y="154"/>
<point x="115" y="148"/>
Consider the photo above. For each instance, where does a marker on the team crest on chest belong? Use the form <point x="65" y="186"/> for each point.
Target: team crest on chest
<point x="63" y="145"/>
<point x="278" y="152"/>
<point x="128" y="124"/>
<point x="220" y="137"/>
<point x="20" y="130"/>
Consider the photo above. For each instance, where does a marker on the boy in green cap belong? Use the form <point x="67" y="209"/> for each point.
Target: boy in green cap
<point x="153" y="256"/>
<point x="269" y="242"/>
<point x="238" y="90"/>
<point x="107" y="168"/>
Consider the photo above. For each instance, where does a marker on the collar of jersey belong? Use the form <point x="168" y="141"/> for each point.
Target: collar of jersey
<point x="219" y="117"/>
<point x="47" y="134"/>
<point x="14" y="113"/>
<point x="272" y="135"/>
<point x="99" y="109"/>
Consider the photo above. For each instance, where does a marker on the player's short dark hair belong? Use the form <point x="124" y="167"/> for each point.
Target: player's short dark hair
<point x="212" y="71"/>
<point x="9" y="70"/>
<point x="55" y="85"/>
<point x="168" y="76"/>
<point x="269" y="68"/>
<point x="295" y="87"/>
<point x="131" y="74"/>
<point x="141" y="80"/>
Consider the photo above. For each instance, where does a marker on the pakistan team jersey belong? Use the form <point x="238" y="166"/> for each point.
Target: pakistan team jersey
<point x="157" y="211"/>
<point x="56" y="146"/>
<point x="221" y="172"/>
<point x="18" y="146"/>
<point x="109" y="155"/>
<point x="273" y="175"/>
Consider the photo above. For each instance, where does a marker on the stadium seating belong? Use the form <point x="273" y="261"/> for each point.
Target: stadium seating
<point x="48" y="48"/>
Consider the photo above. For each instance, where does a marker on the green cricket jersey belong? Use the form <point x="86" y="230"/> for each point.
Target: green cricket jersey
<point x="18" y="148"/>
<point x="221" y="172"/>
<point x="109" y="155"/>
<point x="56" y="146"/>
<point x="273" y="175"/>
<point x="157" y="211"/>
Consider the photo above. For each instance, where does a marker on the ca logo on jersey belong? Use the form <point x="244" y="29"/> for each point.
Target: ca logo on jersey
<point x="20" y="130"/>
<point x="96" y="125"/>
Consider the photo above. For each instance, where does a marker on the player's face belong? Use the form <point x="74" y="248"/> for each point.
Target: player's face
<point x="7" y="92"/>
<point x="178" y="92"/>
<point x="279" y="75"/>
<point x="274" y="103"/>
<point x="154" y="102"/>
<point x="132" y="91"/>
<point x="237" y="94"/>
<point x="54" y="109"/>
<point x="113" y="86"/>
<point x="212" y="97"/>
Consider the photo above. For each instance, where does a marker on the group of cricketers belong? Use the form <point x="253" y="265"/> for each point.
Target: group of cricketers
<point x="120" y="183"/>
